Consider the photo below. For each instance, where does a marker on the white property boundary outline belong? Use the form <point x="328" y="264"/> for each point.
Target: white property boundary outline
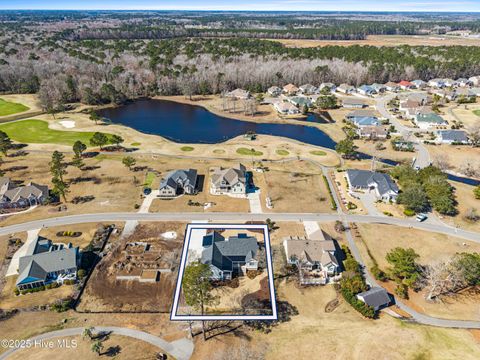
<point x="188" y="232"/>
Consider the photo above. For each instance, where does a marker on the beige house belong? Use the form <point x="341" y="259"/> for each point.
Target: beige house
<point x="238" y="94"/>
<point x="372" y="132"/>
<point x="229" y="180"/>
<point x="290" y="89"/>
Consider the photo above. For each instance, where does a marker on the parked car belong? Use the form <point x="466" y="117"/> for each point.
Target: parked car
<point x="421" y="217"/>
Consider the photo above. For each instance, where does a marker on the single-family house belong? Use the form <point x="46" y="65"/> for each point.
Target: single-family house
<point x="379" y="88"/>
<point x="307" y="89"/>
<point x="391" y="86"/>
<point x="449" y="82"/>
<point x="463" y="82"/>
<point x="444" y="93"/>
<point x="300" y="101"/>
<point x="428" y="120"/>
<point x="230" y="257"/>
<point x="411" y="113"/>
<point x="354" y="103"/>
<point x="313" y="255"/>
<point x="377" y="298"/>
<point x="286" y="108"/>
<point x="406" y="85"/>
<point x="329" y="86"/>
<point x="474" y="80"/>
<point x="290" y="89"/>
<point x="366" y="121"/>
<point x="12" y="196"/>
<point x="465" y="93"/>
<point x="274" y="91"/>
<point x="179" y="182"/>
<point x="238" y="94"/>
<point x="408" y="104"/>
<point x="372" y="132"/>
<point x="360" y="113"/>
<point x="366" y="90"/>
<point x="475" y="90"/>
<point x="45" y="262"/>
<point x="419" y="84"/>
<point x="436" y="83"/>
<point x="452" y="137"/>
<point x="384" y="187"/>
<point x="346" y="89"/>
<point x="229" y="180"/>
<point x="420" y="98"/>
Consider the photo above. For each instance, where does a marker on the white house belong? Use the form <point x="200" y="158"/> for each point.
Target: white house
<point x="384" y="187"/>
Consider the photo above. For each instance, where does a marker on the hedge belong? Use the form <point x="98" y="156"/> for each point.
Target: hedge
<point x="332" y="199"/>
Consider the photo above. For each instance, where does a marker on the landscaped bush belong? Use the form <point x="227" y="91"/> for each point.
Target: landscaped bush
<point x="402" y="291"/>
<point x="358" y="305"/>
<point x="378" y="273"/>
<point x="332" y="199"/>
<point x="16" y="291"/>
<point x="351" y="206"/>
<point x="81" y="274"/>
<point x="409" y="212"/>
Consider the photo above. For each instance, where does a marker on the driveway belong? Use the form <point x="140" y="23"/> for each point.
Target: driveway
<point x="32" y="236"/>
<point x="255" y="202"/>
<point x="368" y="200"/>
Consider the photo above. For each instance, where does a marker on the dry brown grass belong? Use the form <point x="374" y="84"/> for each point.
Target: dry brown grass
<point x="129" y="348"/>
<point x="8" y="300"/>
<point x="87" y="230"/>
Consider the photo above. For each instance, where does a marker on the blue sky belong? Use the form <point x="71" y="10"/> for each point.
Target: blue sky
<point x="327" y="5"/>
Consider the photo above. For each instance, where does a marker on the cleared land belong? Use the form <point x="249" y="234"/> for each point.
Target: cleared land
<point x="386" y="40"/>
<point x="432" y="248"/>
<point x="119" y="347"/>
<point x="105" y="293"/>
<point x="9" y="108"/>
<point x="38" y="132"/>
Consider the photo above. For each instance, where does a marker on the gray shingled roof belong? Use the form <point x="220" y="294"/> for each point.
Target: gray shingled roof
<point x="230" y="175"/>
<point x="221" y="254"/>
<point x="375" y="297"/>
<point x="453" y="135"/>
<point x="362" y="179"/>
<point x="184" y="176"/>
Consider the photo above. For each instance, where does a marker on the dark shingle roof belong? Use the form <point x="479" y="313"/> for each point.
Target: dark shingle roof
<point x="375" y="297"/>
<point x="362" y="179"/>
<point x="221" y="253"/>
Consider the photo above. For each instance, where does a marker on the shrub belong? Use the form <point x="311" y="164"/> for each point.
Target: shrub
<point x="16" y="291"/>
<point x="378" y="273"/>
<point x="409" y="212"/>
<point x="81" y="273"/>
<point x="358" y="305"/>
<point x="402" y="291"/>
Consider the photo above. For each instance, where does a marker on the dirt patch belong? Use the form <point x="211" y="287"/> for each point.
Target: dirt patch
<point x="106" y="292"/>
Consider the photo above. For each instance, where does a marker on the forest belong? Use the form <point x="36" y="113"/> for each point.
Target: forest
<point x="130" y="57"/>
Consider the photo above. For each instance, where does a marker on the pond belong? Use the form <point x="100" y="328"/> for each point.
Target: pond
<point x="184" y="123"/>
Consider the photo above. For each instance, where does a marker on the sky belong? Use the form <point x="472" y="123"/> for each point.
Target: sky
<point x="259" y="5"/>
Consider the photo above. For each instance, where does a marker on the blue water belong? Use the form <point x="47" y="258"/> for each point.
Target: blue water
<point x="193" y="124"/>
<point x="184" y="123"/>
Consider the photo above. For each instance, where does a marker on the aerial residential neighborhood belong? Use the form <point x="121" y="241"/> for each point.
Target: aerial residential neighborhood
<point x="271" y="180"/>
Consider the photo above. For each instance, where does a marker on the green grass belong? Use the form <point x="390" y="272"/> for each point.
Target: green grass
<point x="149" y="179"/>
<point x="219" y="151"/>
<point x="476" y="112"/>
<point x="282" y="152"/>
<point x="135" y="144"/>
<point x="250" y="152"/>
<point x="187" y="148"/>
<point x="9" y="108"/>
<point x="37" y="132"/>
<point x="318" y="152"/>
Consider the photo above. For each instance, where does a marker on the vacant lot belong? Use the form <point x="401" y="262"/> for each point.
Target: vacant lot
<point x="38" y="132"/>
<point x="87" y="231"/>
<point x="296" y="186"/>
<point x="460" y="158"/>
<point x="105" y="293"/>
<point x="119" y="347"/>
<point x="466" y="202"/>
<point x="9" y="108"/>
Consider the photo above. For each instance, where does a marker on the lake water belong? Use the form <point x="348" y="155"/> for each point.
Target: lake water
<point x="184" y="123"/>
<point x="193" y="124"/>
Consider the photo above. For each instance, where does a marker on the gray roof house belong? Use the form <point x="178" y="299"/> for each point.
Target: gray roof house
<point x="452" y="137"/>
<point x="274" y="91"/>
<point x="385" y="188"/>
<point x="21" y="196"/>
<point x="308" y="89"/>
<point x="238" y="94"/>
<point x="229" y="257"/>
<point x="424" y="121"/>
<point x="177" y="182"/>
<point x="229" y="181"/>
<point x="376" y="297"/>
<point x="354" y="103"/>
<point x="346" y="89"/>
<point x="46" y="262"/>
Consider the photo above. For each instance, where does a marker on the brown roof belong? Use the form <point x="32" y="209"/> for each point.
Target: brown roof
<point x="231" y="175"/>
<point x="290" y="88"/>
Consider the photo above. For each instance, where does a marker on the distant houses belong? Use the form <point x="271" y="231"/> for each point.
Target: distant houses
<point x="382" y="184"/>
<point x="231" y="257"/>
<point x="346" y="89"/>
<point x="354" y="103"/>
<point x="274" y="91"/>
<point x="307" y="89"/>
<point x="45" y="262"/>
<point x="179" y="182"/>
<point x="238" y="94"/>
<point x="286" y="108"/>
<point x="290" y="89"/>
<point x="429" y="120"/>
<point x="366" y="90"/>
<point x="12" y="196"/>
<point x="372" y="132"/>
<point x="229" y="181"/>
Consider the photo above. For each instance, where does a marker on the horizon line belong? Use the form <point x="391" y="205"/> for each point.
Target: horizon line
<point x="259" y="11"/>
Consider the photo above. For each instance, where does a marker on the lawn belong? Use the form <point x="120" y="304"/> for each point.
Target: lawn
<point x="250" y="152"/>
<point x="282" y="152"/>
<point x="477" y="112"/>
<point x="149" y="178"/>
<point x="318" y="152"/>
<point x="187" y="148"/>
<point x="9" y="108"/>
<point x="38" y="132"/>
